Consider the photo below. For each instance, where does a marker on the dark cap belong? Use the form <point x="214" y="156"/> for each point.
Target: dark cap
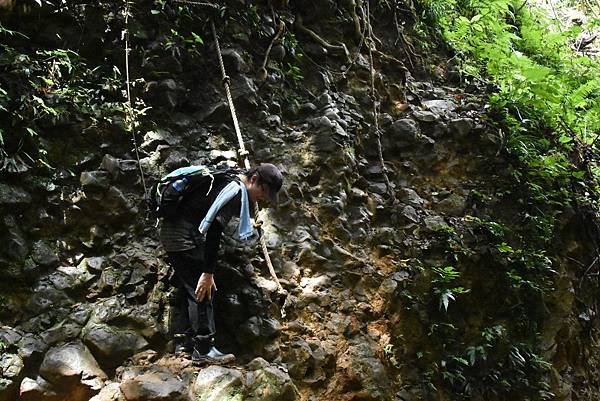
<point x="270" y="176"/>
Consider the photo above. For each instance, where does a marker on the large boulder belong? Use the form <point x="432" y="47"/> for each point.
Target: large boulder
<point x="359" y="369"/>
<point x="71" y="369"/>
<point x="154" y="386"/>
<point x="112" y="345"/>
<point x="217" y="383"/>
<point x="13" y="196"/>
<point x="269" y="383"/>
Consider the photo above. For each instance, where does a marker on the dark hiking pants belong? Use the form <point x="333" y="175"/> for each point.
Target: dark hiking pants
<point x="194" y="319"/>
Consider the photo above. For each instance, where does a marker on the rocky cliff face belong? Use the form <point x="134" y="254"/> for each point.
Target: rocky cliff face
<point x="429" y="289"/>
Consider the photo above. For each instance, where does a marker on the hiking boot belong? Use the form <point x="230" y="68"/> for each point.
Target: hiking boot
<point x="183" y="346"/>
<point x="183" y="350"/>
<point x="212" y="357"/>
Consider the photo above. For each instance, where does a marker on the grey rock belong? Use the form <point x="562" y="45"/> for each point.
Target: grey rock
<point x="17" y="246"/>
<point x="11" y="366"/>
<point x="78" y="276"/>
<point x="378" y="188"/>
<point x="274" y="121"/>
<point x="155" y="386"/>
<point x="167" y="93"/>
<point x="435" y="223"/>
<point x="439" y="107"/>
<point x="110" y="392"/>
<point x="453" y="205"/>
<point x="405" y="130"/>
<point x="250" y="329"/>
<point x="217" y="383"/>
<point x="45" y="296"/>
<point x="461" y="127"/>
<point x="40" y="390"/>
<point x="94" y="180"/>
<point x="425" y="116"/>
<point x="359" y="365"/>
<point x="61" y="332"/>
<point x="9" y="336"/>
<point x="72" y="368"/>
<point x="234" y="63"/>
<point x="152" y="139"/>
<point x="387" y="288"/>
<point x="244" y="87"/>
<point x="43" y="255"/>
<point x="278" y="52"/>
<point x="119" y="169"/>
<point x="117" y="204"/>
<point x="409" y="214"/>
<point x="94" y="264"/>
<point x="436" y="129"/>
<point x="306" y="361"/>
<point x="410" y="196"/>
<point x="270" y="384"/>
<point x="31" y="346"/>
<point x="308" y="108"/>
<point x="12" y="196"/>
<point x="112" y="345"/>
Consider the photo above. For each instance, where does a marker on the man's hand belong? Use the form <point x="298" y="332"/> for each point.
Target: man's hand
<point x="205" y="286"/>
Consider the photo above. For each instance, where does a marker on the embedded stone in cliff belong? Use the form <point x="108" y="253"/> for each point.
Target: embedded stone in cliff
<point x="269" y="383"/>
<point x="43" y="255"/>
<point x="94" y="180"/>
<point x="409" y="214"/>
<point x="71" y="369"/>
<point x="111" y="345"/>
<point x="439" y="107"/>
<point x="425" y="116"/>
<point x="31" y="347"/>
<point x="410" y="196"/>
<point x="119" y="168"/>
<point x="159" y="137"/>
<point x="453" y="205"/>
<point x="435" y="223"/>
<point x="110" y="392"/>
<point x="307" y="361"/>
<point x="61" y="332"/>
<point x="402" y="133"/>
<point x="359" y="369"/>
<point x="154" y="386"/>
<point x="243" y="89"/>
<point x="219" y="383"/>
<point x="234" y="63"/>
<point x="17" y="246"/>
<point x="461" y="126"/>
<point x="10" y="195"/>
<point x="11" y="366"/>
<point x="38" y="390"/>
<point x="95" y="264"/>
<point x="167" y="93"/>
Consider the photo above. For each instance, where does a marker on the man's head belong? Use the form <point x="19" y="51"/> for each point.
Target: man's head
<point x="264" y="182"/>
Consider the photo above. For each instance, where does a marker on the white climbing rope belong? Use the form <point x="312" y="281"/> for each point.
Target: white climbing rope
<point x="129" y="107"/>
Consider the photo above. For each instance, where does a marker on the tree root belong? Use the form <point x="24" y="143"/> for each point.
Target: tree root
<point x="337" y="49"/>
<point x="262" y="72"/>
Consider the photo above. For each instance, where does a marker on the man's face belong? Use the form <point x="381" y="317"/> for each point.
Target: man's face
<point x="258" y="192"/>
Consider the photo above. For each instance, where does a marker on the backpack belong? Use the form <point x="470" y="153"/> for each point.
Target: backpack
<point x="165" y="196"/>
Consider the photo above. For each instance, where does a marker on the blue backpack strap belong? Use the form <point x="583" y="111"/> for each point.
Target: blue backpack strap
<point x="190" y="170"/>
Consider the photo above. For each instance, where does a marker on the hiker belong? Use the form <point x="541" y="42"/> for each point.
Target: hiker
<point x="192" y="239"/>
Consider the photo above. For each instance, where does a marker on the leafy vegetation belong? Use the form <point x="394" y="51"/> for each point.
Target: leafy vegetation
<point x="544" y="102"/>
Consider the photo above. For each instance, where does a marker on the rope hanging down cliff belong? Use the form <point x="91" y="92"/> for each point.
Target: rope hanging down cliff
<point x="129" y="115"/>
<point x="242" y="148"/>
<point x="243" y="152"/>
